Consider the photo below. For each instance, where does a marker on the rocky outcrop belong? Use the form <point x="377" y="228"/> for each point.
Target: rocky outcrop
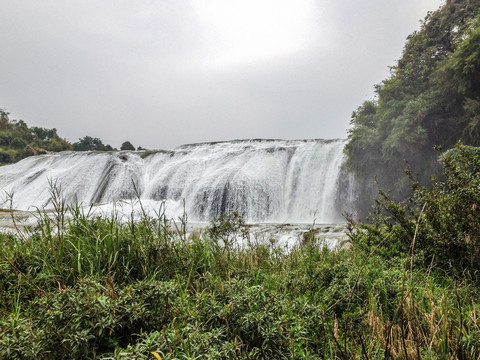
<point x="35" y="150"/>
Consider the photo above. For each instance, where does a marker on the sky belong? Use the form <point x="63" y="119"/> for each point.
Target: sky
<point x="170" y="72"/>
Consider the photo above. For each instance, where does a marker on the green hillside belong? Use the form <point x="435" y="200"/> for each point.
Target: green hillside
<point x="18" y="141"/>
<point x="429" y="103"/>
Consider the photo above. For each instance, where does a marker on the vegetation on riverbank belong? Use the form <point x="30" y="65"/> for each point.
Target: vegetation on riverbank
<point x="18" y="141"/>
<point x="82" y="287"/>
<point x="430" y="101"/>
<point x="76" y="286"/>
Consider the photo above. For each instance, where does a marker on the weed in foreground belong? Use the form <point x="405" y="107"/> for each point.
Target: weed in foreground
<point x="87" y="287"/>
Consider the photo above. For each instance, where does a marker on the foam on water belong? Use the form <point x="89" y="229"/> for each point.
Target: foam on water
<point x="266" y="180"/>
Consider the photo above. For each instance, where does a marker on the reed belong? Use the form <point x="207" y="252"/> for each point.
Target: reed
<point x="77" y="286"/>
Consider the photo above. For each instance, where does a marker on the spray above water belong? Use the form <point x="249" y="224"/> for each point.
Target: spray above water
<point x="266" y="180"/>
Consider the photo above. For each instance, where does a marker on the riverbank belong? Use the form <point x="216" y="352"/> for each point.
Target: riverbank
<point x="284" y="235"/>
<point x="87" y="288"/>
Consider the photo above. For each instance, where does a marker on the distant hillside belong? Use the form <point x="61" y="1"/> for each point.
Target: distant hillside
<point x="18" y="141"/>
<point x="429" y="103"/>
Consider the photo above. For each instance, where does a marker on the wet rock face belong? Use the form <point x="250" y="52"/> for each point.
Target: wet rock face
<point x="35" y="150"/>
<point x="346" y="194"/>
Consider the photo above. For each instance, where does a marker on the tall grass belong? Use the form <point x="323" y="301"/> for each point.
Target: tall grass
<point x="78" y="286"/>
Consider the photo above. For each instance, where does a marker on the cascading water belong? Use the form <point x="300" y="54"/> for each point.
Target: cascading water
<point x="266" y="180"/>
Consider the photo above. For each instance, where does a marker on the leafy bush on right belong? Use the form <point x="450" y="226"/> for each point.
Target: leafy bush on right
<point x="440" y="225"/>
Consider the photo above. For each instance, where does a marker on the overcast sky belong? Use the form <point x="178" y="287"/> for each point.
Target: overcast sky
<point x="170" y="72"/>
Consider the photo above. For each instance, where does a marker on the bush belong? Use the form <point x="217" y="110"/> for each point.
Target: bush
<point x="18" y="143"/>
<point x="228" y="228"/>
<point x="127" y="145"/>
<point x="450" y="224"/>
<point x="5" y="157"/>
<point x="5" y="139"/>
<point x="441" y="223"/>
<point x="81" y="287"/>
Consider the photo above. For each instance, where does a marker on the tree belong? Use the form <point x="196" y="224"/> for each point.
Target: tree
<point x="5" y="157"/>
<point x="89" y="143"/>
<point x="15" y="135"/>
<point x="4" y="121"/>
<point x="18" y="143"/>
<point x="127" y="145"/>
<point x="44" y="134"/>
<point x="430" y="101"/>
<point x="443" y="220"/>
<point x="58" y="144"/>
<point x="5" y="139"/>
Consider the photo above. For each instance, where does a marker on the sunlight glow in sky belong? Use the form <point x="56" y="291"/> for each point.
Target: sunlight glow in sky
<point x="171" y="72"/>
<point x="245" y="31"/>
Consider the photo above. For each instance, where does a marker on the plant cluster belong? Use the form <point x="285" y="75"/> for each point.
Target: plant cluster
<point x="16" y="135"/>
<point x="127" y="145"/>
<point x="77" y="286"/>
<point x="88" y="143"/>
<point x="444" y="221"/>
<point x="18" y="141"/>
<point x="430" y="101"/>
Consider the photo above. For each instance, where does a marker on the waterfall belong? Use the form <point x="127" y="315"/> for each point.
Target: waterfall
<point x="266" y="180"/>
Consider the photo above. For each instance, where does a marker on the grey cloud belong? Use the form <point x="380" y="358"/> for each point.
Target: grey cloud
<point x="123" y="70"/>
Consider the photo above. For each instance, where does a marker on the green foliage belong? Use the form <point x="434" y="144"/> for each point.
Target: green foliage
<point x="228" y="228"/>
<point x="16" y="135"/>
<point x="127" y="145"/>
<point x="450" y="223"/>
<point x="5" y="157"/>
<point x="430" y="101"/>
<point x="18" y="143"/>
<point x="88" y="143"/>
<point x="77" y="286"/>
<point x="5" y="139"/>
<point x="442" y="223"/>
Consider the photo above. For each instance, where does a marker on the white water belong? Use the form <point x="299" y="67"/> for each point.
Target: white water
<point x="266" y="180"/>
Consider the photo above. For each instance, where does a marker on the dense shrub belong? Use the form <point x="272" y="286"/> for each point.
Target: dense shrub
<point x="5" y="157"/>
<point x="95" y="288"/>
<point x="127" y="145"/>
<point x="430" y="100"/>
<point x="15" y="135"/>
<point x="441" y="224"/>
<point x="18" y="143"/>
<point x="81" y="287"/>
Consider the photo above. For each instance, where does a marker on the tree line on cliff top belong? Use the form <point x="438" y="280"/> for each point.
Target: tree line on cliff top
<point x="18" y="141"/>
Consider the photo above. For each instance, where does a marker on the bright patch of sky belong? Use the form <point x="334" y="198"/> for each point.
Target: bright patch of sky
<point x="165" y="73"/>
<point x="242" y="32"/>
